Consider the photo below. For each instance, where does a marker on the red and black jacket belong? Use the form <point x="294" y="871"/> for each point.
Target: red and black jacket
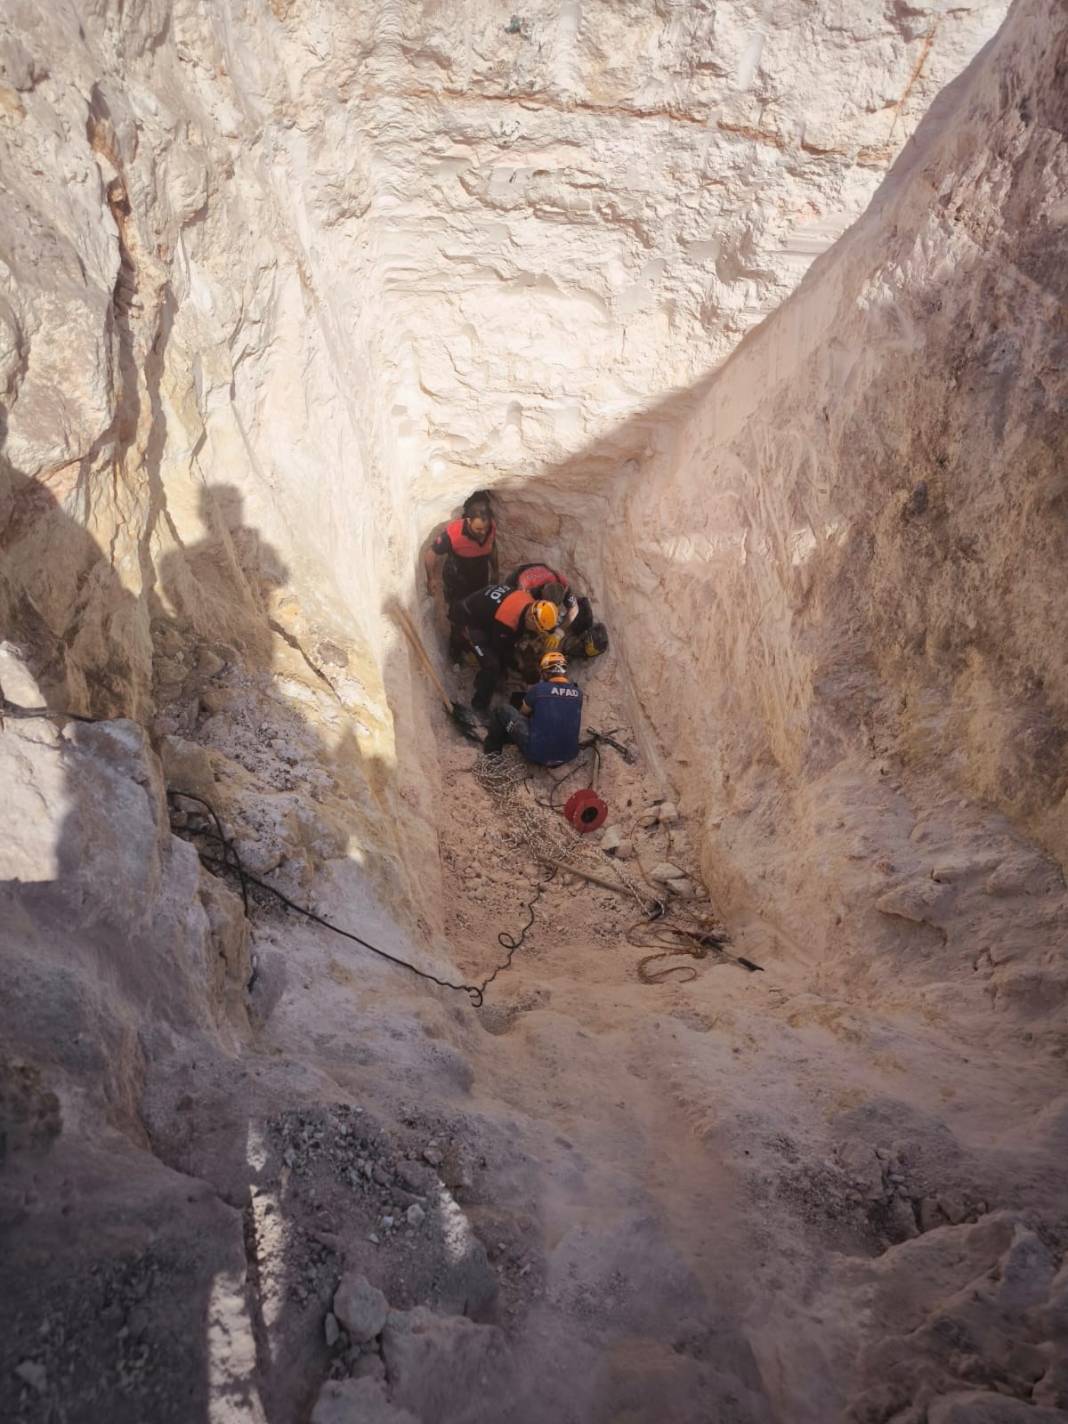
<point x="468" y="563"/>
<point x="534" y="577"/>
<point x="495" y="613"/>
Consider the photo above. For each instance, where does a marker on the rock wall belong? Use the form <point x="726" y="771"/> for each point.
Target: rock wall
<point x="279" y="285"/>
<point x="841" y="578"/>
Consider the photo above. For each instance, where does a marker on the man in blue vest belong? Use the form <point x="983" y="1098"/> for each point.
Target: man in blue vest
<point x="546" y="727"/>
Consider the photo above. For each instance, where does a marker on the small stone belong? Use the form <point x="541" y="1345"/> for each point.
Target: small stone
<point x="625" y="850"/>
<point x="433" y="1156"/>
<point x="33" y="1374"/>
<point x="381" y="1176"/>
<point x="214" y="700"/>
<point x="331" y="1330"/>
<point x="416" y="1215"/>
<point x="665" y="872"/>
<point x="360" y="1307"/>
<point x="387" y="1222"/>
<point x="372" y="1238"/>
<point x="648" y="819"/>
<point x="952" y="1209"/>
<point x="415" y="1176"/>
<point x="883" y="1154"/>
<point x="611" y="839"/>
<point x="369" y="1367"/>
<point x="929" y="1214"/>
<point x="668" y="813"/>
<point x="357" y="1401"/>
<point x="902" y="1221"/>
<point x="209" y="664"/>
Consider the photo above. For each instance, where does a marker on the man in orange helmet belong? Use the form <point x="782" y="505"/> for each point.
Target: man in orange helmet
<point x="547" y="724"/>
<point x="491" y="622"/>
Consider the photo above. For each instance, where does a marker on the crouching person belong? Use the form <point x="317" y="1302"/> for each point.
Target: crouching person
<point x="546" y="726"/>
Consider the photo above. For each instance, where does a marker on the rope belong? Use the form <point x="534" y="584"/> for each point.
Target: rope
<point x="10" y="709"/>
<point x="526" y="829"/>
<point x="231" y="860"/>
<point x="670" y="939"/>
<point x="534" y="826"/>
<point x="475" y="992"/>
<point x="228" y="846"/>
<point x="513" y="942"/>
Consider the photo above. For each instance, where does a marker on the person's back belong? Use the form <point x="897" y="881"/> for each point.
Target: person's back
<point x="555" y="721"/>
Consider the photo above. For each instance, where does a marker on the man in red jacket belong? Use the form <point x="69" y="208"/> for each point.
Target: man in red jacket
<point x="577" y="635"/>
<point x="469" y="547"/>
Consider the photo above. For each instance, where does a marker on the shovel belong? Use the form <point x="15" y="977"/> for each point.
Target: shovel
<point x="464" y="718"/>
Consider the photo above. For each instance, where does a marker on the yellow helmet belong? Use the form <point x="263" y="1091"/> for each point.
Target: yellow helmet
<point x="546" y="614"/>
<point x="553" y="665"/>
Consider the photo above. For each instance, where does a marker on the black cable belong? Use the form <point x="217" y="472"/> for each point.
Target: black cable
<point x="9" y="709"/>
<point x="228" y="846"/>
<point x="475" y="992"/>
<point x="557" y="782"/>
<point x="511" y="942"/>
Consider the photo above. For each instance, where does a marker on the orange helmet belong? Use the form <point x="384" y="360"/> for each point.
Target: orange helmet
<point x="553" y="665"/>
<point x="546" y="614"/>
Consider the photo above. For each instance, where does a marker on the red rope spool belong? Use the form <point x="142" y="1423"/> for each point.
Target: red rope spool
<point x="585" y="810"/>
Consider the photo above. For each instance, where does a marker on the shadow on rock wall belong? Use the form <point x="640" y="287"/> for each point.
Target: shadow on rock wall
<point x="131" y="1138"/>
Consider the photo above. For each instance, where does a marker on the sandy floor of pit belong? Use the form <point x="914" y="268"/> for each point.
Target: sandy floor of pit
<point x="676" y="1202"/>
<point x="673" y="1182"/>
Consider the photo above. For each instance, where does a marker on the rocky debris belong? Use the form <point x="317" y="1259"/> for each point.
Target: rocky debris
<point x="437" y="1364"/>
<point x="30" y="1114"/>
<point x="980" y="1407"/>
<point x="625" y="850"/>
<point x="357" y="1401"/>
<point x="331" y="1330"/>
<point x="33" y="1373"/>
<point x="611" y="839"/>
<point x="668" y="814"/>
<point x="875" y="1191"/>
<point x="360" y="1307"/>
<point x="967" y="1313"/>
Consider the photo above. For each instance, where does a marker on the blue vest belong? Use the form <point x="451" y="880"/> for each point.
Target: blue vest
<point x="555" y="719"/>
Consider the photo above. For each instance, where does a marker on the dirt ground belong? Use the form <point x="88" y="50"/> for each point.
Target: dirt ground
<point x="726" y="1196"/>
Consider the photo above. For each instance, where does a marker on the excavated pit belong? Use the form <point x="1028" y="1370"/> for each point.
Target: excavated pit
<point x="279" y="287"/>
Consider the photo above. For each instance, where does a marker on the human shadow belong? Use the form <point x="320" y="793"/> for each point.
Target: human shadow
<point x="128" y="979"/>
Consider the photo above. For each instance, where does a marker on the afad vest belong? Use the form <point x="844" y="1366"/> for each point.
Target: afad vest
<point x="464" y="547"/>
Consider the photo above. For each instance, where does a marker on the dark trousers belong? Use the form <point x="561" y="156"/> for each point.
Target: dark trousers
<point x="491" y="666"/>
<point x="507" y="725"/>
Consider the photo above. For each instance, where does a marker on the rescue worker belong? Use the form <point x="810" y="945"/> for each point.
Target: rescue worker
<point x="578" y="635"/>
<point x="544" y="582"/>
<point x="546" y="726"/>
<point x="491" y="623"/>
<point x="469" y="547"/>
